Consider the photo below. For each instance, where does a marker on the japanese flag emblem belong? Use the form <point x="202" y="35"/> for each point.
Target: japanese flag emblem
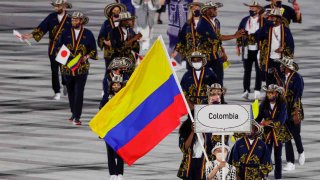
<point x="63" y="55"/>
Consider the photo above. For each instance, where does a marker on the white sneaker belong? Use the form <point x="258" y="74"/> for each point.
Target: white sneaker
<point x="289" y="167"/>
<point x="302" y="159"/>
<point x="56" y="96"/>
<point x="245" y="95"/>
<point x="113" y="177"/>
<point x="256" y="94"/>
<point x="65" y="90"/>
<point x="120" y="177"/>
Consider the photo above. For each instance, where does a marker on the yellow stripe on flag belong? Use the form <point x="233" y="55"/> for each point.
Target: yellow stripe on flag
<point x="255" y="108"/>
<point x="153" y="71"/>
<point x="74" y="61"/>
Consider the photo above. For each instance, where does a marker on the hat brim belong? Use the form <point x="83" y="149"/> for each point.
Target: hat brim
<point x="295" y="66"/>
<point x="251" y="5"/>
<point x="279" y="89"/>
<point x="68" y="5"/>
<point x="195" y="4"/>
<point x="113" y="66"/>
<point x="216" y="147"/>
<point x="223" y="90"/>
<point x="123" y="19"/>
<point x="205" y="7"/>
<point x="258" y="127"/>
<point x="109" y="7"/>
<point x="265" y="88"/>
<point x="84" y="19"/>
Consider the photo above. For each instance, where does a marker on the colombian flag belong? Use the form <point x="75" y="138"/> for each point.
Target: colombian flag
<point x="145" y="111"/>
<point x="74" y="63"/>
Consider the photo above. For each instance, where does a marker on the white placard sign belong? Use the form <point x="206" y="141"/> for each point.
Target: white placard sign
<point x="222" y="118"/>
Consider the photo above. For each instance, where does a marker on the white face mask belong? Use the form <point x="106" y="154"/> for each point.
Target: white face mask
<point x="219" y="156"/>
<point x="197" y="65"/>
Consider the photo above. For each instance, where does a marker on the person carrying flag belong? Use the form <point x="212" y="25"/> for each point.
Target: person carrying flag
<point x="55" y="23"/>
<point x="115" y="162"/>
<point x="117" y="67"/>
<point x="81" y="42"/>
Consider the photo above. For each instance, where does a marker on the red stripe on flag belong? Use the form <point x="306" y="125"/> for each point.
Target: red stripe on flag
<point x="154" y="132"/>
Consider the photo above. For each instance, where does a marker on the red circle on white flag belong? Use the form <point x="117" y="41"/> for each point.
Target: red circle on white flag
<point x="64" y="53"/>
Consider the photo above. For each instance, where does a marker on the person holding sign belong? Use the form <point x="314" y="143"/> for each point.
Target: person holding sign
<point x="193" y="162"/>
<point x="250" y="155"/>
<point x="220" y="164"/>
<point x="115" y="162"/>
<point x="216" y="96"/>
<point x="272" y="116"/>
<point x="55" y="23"/>
<point x="117" y="68"/>
<point x="81" y="42"/>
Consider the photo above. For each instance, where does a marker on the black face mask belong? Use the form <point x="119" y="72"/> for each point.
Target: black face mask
<point x="116" y="16"/>
<point x="215" y="102"/>
<point x="196" y="13"/>
<point x="252" y="13"/>
<point x="278" y="4"/>
<point x="269" y="23"/>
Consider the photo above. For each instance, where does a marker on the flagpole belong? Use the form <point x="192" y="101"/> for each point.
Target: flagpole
<point x="183" y="97"/>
